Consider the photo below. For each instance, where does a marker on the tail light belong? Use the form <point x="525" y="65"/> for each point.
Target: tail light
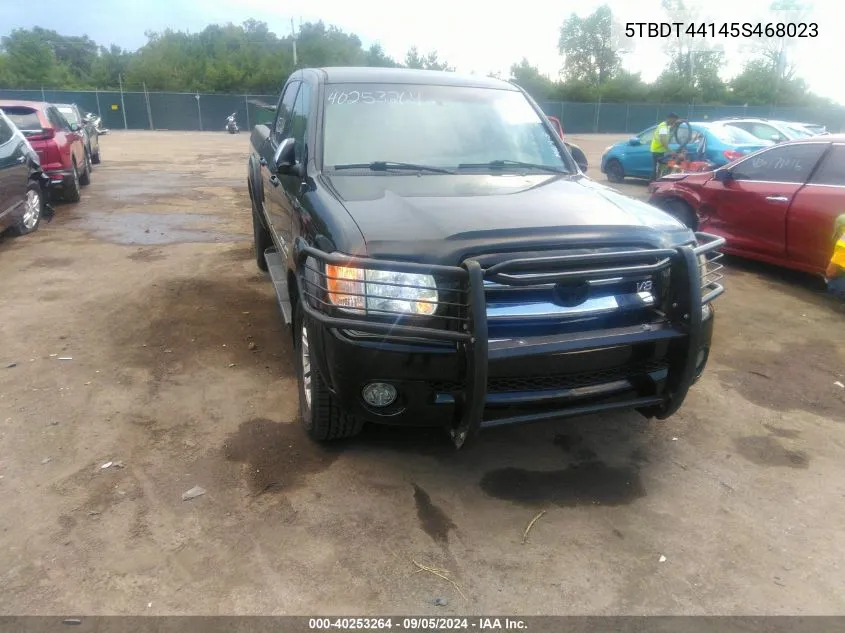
<point x="45" y="134"/>
<point x="731" y="154"/>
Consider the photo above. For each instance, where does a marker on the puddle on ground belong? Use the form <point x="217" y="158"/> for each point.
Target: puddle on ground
<point x="590" y="483"/>
<point x="766" y="451"/>
<point x="279" y="456"/>
<point x="152" y="228"/>
<point x="433" y="519"/>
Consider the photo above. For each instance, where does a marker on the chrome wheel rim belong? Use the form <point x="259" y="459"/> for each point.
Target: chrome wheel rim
<point x="32" y="209"/>
<point x="306" y="366"/>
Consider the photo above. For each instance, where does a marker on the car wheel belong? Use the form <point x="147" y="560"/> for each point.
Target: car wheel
<point x="681" y="210"/>
<point x="85" y="177"/>
<point x="321" y="416"/>
<point x="261" y="239"/>
<point x="95" y="157"/>
<point x="614" y="171"/>
<point x="72" y="192"/>
<point x="33" y="211"/>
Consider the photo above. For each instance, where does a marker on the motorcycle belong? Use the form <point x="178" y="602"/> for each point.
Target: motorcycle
<point x="232" y="124"/>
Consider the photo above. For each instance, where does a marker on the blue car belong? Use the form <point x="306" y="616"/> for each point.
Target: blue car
<point x="715" y="142"/>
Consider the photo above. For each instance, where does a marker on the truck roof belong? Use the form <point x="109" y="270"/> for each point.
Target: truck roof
<point x="366" y="74"/>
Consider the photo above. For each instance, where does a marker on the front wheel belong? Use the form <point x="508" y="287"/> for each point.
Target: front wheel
<point x="319" y="411"/>
<point x="72" y="192"/>
<point x="85" y="176"/>
<point x="681" y="210"/>
<point x="614" y="171"/>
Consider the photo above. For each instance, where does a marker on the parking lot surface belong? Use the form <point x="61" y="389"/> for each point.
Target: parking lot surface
<point x="143" y="355"/>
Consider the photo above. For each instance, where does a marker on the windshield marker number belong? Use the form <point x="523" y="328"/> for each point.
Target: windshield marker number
<point x="350" y="97"/>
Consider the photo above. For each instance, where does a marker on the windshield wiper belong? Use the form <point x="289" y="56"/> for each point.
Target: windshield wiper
<point x="384" y="165"/>
<point x="501" y="164"/>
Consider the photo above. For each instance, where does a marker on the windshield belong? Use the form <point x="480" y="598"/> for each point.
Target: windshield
<point x="734" y="135"/>
<point x="69" y="113"/>
<point x="436" y="126"/>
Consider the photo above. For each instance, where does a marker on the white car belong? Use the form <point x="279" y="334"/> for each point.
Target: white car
<point x="769" y="130"/>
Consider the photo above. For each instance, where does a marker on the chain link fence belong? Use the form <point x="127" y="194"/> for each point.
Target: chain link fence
<point x="190" y="111"/>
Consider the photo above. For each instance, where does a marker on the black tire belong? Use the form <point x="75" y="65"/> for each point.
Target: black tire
<point x="681" y="133"/>
<point x="35" y="204"/>
<point x="85" y="176"/>
<point x="95" y="157"/>
<point x="681" y="210"/>
<point x="614" y="171"/>
<point x="322" y="418"/>
<point x="260" y="237"/>
<point x="72" y="192"/>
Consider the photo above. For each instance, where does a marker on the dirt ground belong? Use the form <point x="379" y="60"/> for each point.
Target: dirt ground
<point x="149" y="288"/>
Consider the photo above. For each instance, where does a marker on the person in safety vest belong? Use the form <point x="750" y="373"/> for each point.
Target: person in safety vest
<point x="835" y="273"/>
<point x="660" y="142"/>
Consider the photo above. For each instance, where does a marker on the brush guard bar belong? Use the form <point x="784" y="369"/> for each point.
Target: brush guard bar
<point x="694" y="279"/>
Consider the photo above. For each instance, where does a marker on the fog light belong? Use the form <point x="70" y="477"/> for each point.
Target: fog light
<point x="379" y="394"/>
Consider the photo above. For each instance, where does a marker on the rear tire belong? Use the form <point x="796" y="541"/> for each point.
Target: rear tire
<point x="72" y="192"/>
<point x="681" y="210"/>
<point x="95" y="157"/>
<point x="320" y="413"/>
<point x="33" y="211"/>
<point x="614" y="171"/>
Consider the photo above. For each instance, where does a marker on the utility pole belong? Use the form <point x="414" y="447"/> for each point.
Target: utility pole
<point x="293" y="35"/>
<point x="122" y="102"/>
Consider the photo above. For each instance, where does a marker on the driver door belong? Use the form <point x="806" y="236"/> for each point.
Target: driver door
<point x="637" y="158"/>
<point x="275" y="200"/>
<point x="750" y="209"/>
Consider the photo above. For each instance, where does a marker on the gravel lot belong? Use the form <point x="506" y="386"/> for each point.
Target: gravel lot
<point x="150" y="287"/>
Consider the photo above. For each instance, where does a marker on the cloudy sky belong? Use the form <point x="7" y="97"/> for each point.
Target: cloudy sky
<point x="471" y="35"/>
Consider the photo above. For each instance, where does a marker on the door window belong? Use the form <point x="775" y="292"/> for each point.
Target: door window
<point x="767" y="132"/>
<point x="6" y="131"/>
<point x="299" y="125"/>
<point x="284" y="111"/>
<point x="645" y="137"/>
<point x="832" y="170"/>
<point x="790" y="163"/>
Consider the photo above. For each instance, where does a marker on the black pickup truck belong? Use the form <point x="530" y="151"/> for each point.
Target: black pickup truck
<point x="443" y="261"/>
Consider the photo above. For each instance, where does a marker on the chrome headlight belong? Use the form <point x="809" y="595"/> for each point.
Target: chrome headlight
<point x="367" y="291"/>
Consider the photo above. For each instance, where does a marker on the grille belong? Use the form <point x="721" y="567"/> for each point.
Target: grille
<point x="556" y="381"/>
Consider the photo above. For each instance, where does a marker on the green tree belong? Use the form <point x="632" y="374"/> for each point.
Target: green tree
<point x="430" y="61"/>
<point x="588" y="50"/>
<point x="529" y="77"/>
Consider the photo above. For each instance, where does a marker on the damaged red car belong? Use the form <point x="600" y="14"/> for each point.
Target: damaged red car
<point x="777" y="205"/>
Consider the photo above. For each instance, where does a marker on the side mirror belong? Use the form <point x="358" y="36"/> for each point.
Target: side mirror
<point x="776" y="138"/>
<point x="284" y="158"/>
<point x="634" y="140"/>
<point x="74" y="127"/>
<point x="722" y="175"/>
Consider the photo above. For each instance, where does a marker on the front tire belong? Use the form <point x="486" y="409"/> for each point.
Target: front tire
<point x="681" y="210"/>
<point x="72" y="192"/>
<point x="33" y="211"/>
<point x="614" y="171"/>
<point x="95" y="157"/>
<point x="320" y="413"/>
<point x="85" y="176"/>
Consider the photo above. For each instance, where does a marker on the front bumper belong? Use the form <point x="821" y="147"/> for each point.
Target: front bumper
<point x="451" y="373"/>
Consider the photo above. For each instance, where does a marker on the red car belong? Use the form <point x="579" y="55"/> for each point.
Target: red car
<point x="776" y="205"/>
<point x="59" y="144"/>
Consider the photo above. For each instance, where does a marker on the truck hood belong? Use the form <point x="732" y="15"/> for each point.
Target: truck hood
<point x="402" y="216"/>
